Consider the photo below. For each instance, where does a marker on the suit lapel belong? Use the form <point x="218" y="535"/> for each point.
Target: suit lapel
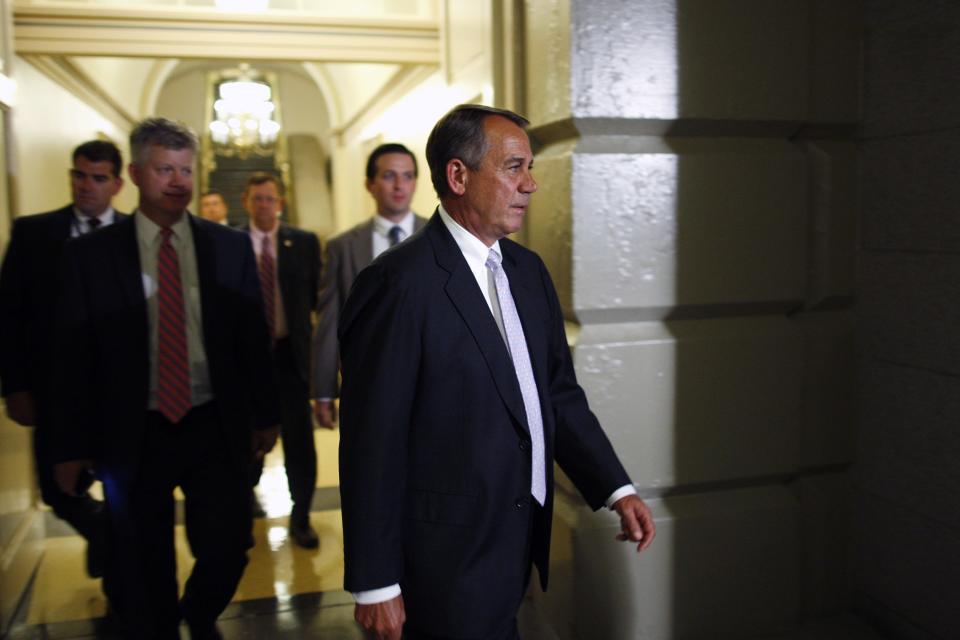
<point x="127" y="258"/>
<point x="205" y="252"/>
<point x="362" y="247"/>
<point x="64" y="225"/>
<point x="466" y="297"/>
<point x="286" y="263"/>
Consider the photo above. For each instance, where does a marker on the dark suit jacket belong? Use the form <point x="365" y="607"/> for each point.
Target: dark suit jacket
<point x="29" y="290"/>
<point x="103" y="378"/>
<point x="298" y="273"/>
<point x="344" y="256"/>
<point x="435" y="455"/>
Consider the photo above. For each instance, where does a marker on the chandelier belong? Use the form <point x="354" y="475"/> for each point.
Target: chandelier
<point x="244" y="116"/>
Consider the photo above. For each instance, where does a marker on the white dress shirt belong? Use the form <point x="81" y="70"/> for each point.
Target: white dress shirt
<point x="381" y="231"/>
<point x="81" y="223"/>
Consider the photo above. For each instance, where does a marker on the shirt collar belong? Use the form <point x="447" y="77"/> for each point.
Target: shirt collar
<point x="257" y="235"/>
<point x="472" y="248"/>
<point x="148" y="231"/>
<point x="382" y="226"/>
<point x="105" y="217"/>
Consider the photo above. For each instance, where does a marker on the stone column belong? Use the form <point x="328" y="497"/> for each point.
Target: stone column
<point x="697" y="209"/>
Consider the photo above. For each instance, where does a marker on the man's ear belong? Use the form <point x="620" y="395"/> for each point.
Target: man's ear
<point x="457" y="176"/>
<point x="134" y="172"/>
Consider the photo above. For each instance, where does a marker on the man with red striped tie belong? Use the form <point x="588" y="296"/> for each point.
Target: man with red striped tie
<point x="165" y="382"/>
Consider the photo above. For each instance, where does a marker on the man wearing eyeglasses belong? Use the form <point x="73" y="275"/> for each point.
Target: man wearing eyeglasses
<point x="29" y="288"/>
<point x="289" y="264"/>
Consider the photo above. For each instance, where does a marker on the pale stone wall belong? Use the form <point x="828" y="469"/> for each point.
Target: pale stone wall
<point x="907" y="473"/>
<point x="697" y="209"/>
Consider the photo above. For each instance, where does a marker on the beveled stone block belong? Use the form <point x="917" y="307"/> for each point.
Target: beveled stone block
<point x="829" y="389"/>
<point x="693" y="402"/>
<point x="723" y="565"/>
<point x="689" y="224"/>
<point x="908" y="309"/>
<point x="664" y="59"/>
<point x="908" y="441"/>
<point x="906" y="175"/>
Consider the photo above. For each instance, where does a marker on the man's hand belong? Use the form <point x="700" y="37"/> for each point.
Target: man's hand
<point x="20" y="408"/>
<point x="325" y="413"/>
<point x="67" y="474"/>
<point x="263" y="440"/>
<point x="636" y="521"/>
<point x="383" y="620"/>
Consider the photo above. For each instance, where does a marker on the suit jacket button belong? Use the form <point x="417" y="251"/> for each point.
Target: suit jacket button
<point x="521" y="502"/>
<point x="524" y="445"/>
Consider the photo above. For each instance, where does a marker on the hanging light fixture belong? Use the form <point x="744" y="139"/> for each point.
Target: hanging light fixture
<point x="244" y="115"/>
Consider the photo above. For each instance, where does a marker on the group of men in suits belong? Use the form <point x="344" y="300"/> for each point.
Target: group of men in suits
<point x="458" y="390"/>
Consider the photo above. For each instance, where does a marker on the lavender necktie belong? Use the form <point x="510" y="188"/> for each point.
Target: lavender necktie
<point x="517" y="344"/>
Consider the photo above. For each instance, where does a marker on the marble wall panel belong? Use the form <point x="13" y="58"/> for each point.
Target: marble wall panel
<point x="703" y="225"/>
<point x="693" y="402"/>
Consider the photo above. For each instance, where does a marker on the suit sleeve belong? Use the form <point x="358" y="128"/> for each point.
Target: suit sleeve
<point x="14" y="323"/>
<point x="325" y="350"/>
<point x="380" y="351"/>
<point x="581" y="447"/>
<point x="254" y="344"/>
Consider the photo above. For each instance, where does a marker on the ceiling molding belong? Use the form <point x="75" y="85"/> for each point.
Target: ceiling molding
<point x="209" y="34"/>
<point x="400" y="84"/>
<point x="159" y="73"/>
<point x="327" y="88"/>
<point x="75" y="80"/>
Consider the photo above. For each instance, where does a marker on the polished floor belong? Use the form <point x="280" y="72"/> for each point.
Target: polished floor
<point x="286" y="591"/>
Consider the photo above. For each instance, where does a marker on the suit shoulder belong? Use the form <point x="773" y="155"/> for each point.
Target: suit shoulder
<point x="345" y="236"/>
<point x="39" y="220"/>
<point x="519" y="252"/>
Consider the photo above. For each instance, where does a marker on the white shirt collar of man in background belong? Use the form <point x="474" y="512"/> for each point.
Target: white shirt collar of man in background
<point x="80" y="225"/>
<point x="381" y="231"/>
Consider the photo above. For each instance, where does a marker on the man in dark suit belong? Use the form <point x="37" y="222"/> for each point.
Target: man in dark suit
<point x="458" y="394"/>
<point x="289" y="263"/>
<point x="164" y="381"/>
<point x="29" y="287"/>
<point x="392" y="181"/>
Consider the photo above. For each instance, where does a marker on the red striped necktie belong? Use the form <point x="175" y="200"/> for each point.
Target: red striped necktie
<point x="268" y="270"/>
<point x="173" y="369"/>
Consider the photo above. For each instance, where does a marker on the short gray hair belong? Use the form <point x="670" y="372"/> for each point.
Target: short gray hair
<point x="459" y="134"/>
<point x="160" y="132"/>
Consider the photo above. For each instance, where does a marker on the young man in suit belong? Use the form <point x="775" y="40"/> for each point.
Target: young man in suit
<point x="392" y="181"/>
<point x="458" y="394"/>
<point x="164" y="381"/>
<point x="289" y="264"/>
<point x="29" y="287"/>
<point x="213" y="207"/>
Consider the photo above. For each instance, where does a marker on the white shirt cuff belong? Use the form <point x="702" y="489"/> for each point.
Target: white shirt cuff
<point x="622" y="492"/>
<point x="375" y="596"/>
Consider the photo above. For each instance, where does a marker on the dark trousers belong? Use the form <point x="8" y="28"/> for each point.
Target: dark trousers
<point x="191" y="455"/>
<point x="510" y="633"/>
<point x="296" y="434"/>
<point x="508" y="630"/>
<point x="83" y="513"/>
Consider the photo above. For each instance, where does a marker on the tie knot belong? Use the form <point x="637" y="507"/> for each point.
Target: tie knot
<point x="165" y="234"/>
<point x="493" y="260"/>
<point x="93" y="223"/>
<point x="395" y="234"/>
